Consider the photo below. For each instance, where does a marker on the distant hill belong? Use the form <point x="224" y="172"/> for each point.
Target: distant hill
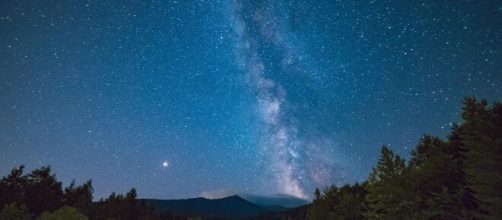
<point x="233" y="207"/>
<point x="280" y="200"/>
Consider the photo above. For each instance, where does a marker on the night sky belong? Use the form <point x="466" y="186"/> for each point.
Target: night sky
<point x="208" y="98"/>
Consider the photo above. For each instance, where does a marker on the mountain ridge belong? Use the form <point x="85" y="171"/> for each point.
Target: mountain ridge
<point x="233" y="207"/>
<point x="283" y="200"/>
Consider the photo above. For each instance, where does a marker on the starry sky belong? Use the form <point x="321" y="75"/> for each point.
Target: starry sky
<point x="187" y="98"/>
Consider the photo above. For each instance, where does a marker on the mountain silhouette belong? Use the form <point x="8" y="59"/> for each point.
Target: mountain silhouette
<point x="228" y="207"/>
<point x="280" y="200"/>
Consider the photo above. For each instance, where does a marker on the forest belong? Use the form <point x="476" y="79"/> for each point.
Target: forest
<point x="456" y="178"/>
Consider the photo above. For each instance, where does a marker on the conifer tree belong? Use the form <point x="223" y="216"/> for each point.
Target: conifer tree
<point x="482" y="137"/>
<point x="319" y="209"/>
<point x="388" y="194"/>
<point x="435" y="175"/>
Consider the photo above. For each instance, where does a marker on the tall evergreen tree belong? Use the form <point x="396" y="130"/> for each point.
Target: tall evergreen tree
<point x="464" y="193"/>
<point x="320" y="207"/>
<point x="435" y="175"/>
<point x="346" y="202"/>
<point x="388" y="195"/>
<point x="351" y="204"/>
<point x="482" y="137"/>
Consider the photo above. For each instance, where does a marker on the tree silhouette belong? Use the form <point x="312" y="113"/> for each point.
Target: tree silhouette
<point x="482" y="137"/>
<point x="435" y="176"/>
<point x="456" y="178"/>
<point x="79" y="197"/>
<point x="388" y="195"/>
<point x="43" y="192"/>
<point x="12" y="187"/>
<point x="39" y="192"/>
<point x="346" y="202"/>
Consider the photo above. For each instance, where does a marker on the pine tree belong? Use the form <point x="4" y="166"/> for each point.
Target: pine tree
<point x="320" y="207"/>
<point x="464" y="193"/>
<point x="317" y="194"/>
<point x="388" y="195"/>
<point x="351" y="204"/>
<point x="482" y="137"/>
<point x="435" y="174"/>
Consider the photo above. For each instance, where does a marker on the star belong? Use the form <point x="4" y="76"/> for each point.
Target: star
<point x="249" y="89"/>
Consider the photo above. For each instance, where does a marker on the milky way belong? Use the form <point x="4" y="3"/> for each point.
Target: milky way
<point x="256" y="97"/>
<point x="259" y="26"/>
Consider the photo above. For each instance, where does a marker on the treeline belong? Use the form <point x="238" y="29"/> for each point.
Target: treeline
<point x="38" y="195"/>
<point x="456" y="178"/>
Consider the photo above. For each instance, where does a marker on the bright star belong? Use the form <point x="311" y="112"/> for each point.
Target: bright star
<point x="165" y="164"/>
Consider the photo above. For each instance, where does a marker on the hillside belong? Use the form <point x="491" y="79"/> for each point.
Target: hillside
<point x="228" y="207"/>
